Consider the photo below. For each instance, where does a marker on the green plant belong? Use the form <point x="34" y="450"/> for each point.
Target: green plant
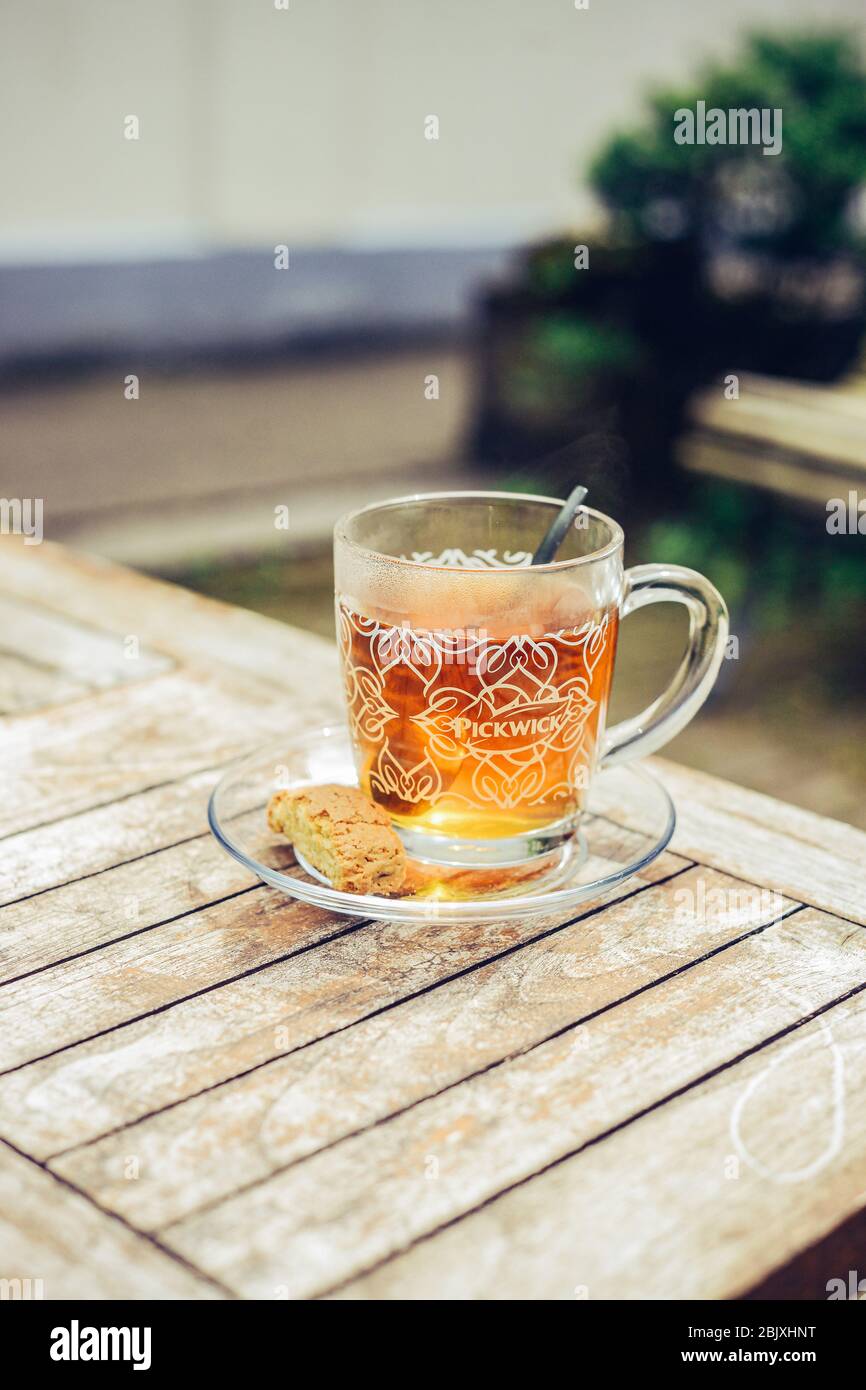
<point x="561" y="356"/>
<point x="755" y="554"/>
<point x="715" y="258"/>
<point x="647" y="180"/>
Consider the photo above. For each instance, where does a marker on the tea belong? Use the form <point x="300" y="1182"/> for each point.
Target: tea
<point x="481" y="739"/>
<point x="468" y="734"/>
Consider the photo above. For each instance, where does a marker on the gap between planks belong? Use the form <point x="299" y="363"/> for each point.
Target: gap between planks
<point x="396" y="1004"/>
<point x="183" y="953"/>
<point x="110" y="1221"/>
<point x="184" y="998"/>
<point x="657" y="1211"/>
<point x="195" y="875"/>
<point x="445" y="995"/>
<point x="436" y="1094"/>
<point x="299" y="1229"/>
<point x="125" y="936"/>
<point x="148" y="733"/>
<point x="206" y="775"/>
<point x="603" y="1135"/>
<point x="304" y="950"/>
<point x="230" y="1034"/>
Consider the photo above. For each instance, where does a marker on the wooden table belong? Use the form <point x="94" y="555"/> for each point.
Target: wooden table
<point x="796" y="439"/>
<point x="209" y="1090"/>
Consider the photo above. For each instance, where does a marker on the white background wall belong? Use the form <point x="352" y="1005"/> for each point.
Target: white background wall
<point x="261" y="125"/>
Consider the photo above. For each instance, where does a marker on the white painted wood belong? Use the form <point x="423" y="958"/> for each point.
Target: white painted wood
<point x="236" y="1134"/>
<point x="146" y="1065"/>
<point x="66" y="1248"/>
<point x="350" y="1207"/>
<point x="704" y="1198"/>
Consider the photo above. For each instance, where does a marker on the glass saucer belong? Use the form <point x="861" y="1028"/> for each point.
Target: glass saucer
<point x="628" y="821"/>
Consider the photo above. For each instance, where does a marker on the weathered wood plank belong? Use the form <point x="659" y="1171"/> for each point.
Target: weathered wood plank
<point x="124" y="740"/>
<point x="54" y="926"/>
<point x="82" y="997"/>
<point x="66" y="1248"/>
<point x="756" y="809"/>
<point x="134" y="897"/>
<point x="188" y="627"/>
<point x="348" y="1206"/>
<point x="167" y="1057"/>
<point x="247" y="1129"/>
<point x="298" y="664"/>
<point x="106" y="836"/>
<point x="820" y="425"/>
<point x="24" y="685"/>
<point x="344" y="1210"/>
<point x="73" y="649"/>
<point x="795" y="476"/>
<point x="704" y="1198"/>
<point x="812" y="858"/>
<point x="74" y="846"/>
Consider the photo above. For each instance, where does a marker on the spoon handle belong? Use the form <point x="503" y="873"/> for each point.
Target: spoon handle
<point x="556" y="532"/>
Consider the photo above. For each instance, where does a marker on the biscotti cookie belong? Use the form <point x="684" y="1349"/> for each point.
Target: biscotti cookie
<point x="343" y="834"/>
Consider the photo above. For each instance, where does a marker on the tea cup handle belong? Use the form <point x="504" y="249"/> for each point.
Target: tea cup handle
<point x="708" y="633"/>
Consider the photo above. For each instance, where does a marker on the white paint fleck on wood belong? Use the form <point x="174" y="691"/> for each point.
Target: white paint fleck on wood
<point x="675" y="1206"/>
<point x="239" y="1133"/>
<point x="66" y="1248"/>
<point x="354" y="1205"/>
<point x="361" y="1136"/>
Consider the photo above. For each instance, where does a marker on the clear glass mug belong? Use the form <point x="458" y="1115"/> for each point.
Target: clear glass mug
<point x="477" y="684"/>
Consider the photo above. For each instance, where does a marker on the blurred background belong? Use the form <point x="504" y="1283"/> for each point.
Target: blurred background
<point x="257" y="256"/>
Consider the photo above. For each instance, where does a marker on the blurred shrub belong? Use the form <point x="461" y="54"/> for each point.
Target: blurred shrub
<point x="755" y="555"/>
<point x="797" y="202"/>
<point x="716" y="258"/>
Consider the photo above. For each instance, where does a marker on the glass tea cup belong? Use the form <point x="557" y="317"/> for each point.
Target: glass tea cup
<point x="477" y="684"/>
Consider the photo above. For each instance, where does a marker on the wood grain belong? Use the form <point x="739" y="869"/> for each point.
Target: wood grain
<point x="354" y="1205"/>
<point x="173" y="1054"/>
<point x="745" y="461"/>
<point x="193" y="630"/>
<point x="125" y="740"/>
<point x="80" y="656"/>
<point x="131" y="978"/>
<point x="52" y="1235"/>
<point x="819" y="424"/>
<point x="703" y="1198"/>
<point x="88" y="843"/>
<point x="241" y="1132"/>
<point x="812" y="858"/>
<point x="92" y="912"/>
<point x="27" y="685"/>
<point x="316" y="1106"/>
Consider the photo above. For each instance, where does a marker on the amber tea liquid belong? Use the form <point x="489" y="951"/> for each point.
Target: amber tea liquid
<point x="468" y="734"/>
